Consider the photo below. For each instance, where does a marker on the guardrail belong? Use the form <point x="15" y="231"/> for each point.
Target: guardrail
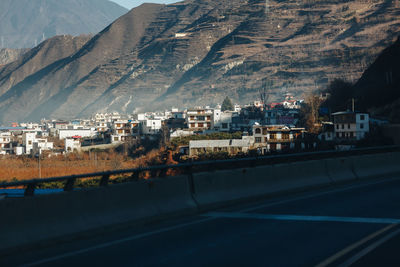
<point x="189" y="168"/>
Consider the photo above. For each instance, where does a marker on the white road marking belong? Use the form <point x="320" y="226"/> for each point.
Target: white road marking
<point x="370" y="248"/>
<point x="283" y="217"/>
<point x="354" y="246"/>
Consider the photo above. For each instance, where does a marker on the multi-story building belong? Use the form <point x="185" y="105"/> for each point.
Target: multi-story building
<point x="72" y="144"/>
<point x="35" y="145"/>
<point x="269" y="138"/>
<point x="200" y="119"/>
<point x="5" y="143"/>
<point x="350" y="126"/>
<point x="151" y="126"/>
<point x="124" y="129"/>
<point x="223" y="120"/>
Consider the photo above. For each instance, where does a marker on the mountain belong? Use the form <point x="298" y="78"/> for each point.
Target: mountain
<point x="197" y="52"/>
<point x="25" y="23"/>
<point x="9" y="55"/>
<point x="36" y="61"/>
<point x="378" y="90"/>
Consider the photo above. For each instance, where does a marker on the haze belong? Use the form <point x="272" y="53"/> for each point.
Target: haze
<point x="134" y="3"/>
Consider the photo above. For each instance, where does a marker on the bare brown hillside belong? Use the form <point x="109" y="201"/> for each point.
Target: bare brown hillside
<point x="197" y="52"/>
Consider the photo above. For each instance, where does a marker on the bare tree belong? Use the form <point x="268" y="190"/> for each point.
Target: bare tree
<point x="264" y="92"/>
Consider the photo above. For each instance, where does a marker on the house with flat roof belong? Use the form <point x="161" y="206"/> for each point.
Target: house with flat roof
<point x="350" y="126"/>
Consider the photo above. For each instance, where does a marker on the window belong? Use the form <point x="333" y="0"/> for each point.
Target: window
<point x="342" y="126"/>
<point x="200" y="124"/>
<point x="337" y="135"/>
<point x="265" y="140"/>
<point x="208" y="118"/>
<point x="30" y="142"/>
<point x="272" y="136"/>
<point x="201" y="118"/>
<point x="361" y="125"/>
<point x="224" y="125"/>
<point x="265" y="131"/>
<point x="258" y="131"/>
<point x="337" y="126"/>
<point x="192" y="125"/>
<point x="362" y="117"/>
<point x="115" y="138"/>
<point x="348" y="126"/>
<point x="285" y="136"/>
<point x="351" y="135"/>
<point x="258" y="140"/>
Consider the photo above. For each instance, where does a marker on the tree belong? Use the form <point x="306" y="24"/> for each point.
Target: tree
<point x="264" y="95"/>
<point x="340" y="94"/>
<point x="309" y="113"/>
<point x="227" y="104"/>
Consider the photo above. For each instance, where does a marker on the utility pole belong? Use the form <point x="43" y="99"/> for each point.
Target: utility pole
<point x="39" y="167"/>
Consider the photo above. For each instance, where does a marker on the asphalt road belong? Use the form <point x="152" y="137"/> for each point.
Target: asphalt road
<point x="355" y="224"/>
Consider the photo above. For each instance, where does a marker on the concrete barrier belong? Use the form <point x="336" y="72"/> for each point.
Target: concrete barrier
<point x="340" y="169"/>
<point x="40" y="219"/>
<point x="377" y="165"/>
<point x="37" y="219"/>
<point x="217" y="188"/>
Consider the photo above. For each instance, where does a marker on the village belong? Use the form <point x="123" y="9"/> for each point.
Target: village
<point x="264" y="129"/>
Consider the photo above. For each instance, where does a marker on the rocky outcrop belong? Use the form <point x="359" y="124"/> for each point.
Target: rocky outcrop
<point x="9" y="55"/>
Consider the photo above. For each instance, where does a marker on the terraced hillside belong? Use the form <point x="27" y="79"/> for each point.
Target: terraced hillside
<point x="197" y="52"/>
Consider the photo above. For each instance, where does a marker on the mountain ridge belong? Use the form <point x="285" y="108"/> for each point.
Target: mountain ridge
<point x="26" y="23"/>
<point x="197" y="52"/>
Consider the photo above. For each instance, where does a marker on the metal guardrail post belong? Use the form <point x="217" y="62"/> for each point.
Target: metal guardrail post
<point x="104" y="180"/>
<point x="69" y="185"/>
<point x="135" y="176"/>
<point x="163" y="172"/>
<point x="30" y="190"/>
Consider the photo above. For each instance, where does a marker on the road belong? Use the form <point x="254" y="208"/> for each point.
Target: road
<point x="349" y="224"/>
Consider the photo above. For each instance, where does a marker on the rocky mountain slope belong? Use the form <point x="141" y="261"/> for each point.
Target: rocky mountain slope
<point x="26" y="23"/>
<point x="198" y="51"/>
<point x="9" y="55"/>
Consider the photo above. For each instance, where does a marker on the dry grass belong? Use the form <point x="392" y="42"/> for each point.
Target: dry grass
<point x="25" y="168"/>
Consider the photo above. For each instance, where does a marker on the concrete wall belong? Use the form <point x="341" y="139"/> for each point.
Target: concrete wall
<point x="42" y="218"/>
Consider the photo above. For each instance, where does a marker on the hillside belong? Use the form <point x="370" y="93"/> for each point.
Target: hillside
<point x="378" y="90"/>
<point x="26" y="23"/>
<point x="9" y="55"/>
<point x="197" y="52"/>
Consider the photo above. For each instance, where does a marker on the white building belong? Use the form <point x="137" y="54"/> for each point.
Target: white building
<point x="35" y="145"/>
<point x="123" y="129"/>
<point x="72" y="144"/>
<point x="223" y="120"/>
<point x="5" y="143"/>
<point x="269" y="138"/>
<point x="230" y="146"/>
<point x="27" y="141"/>
<point x="66" y="133"/>
<point x="150" y="126"/>
<point x="350" y="126"/>
<point x="200" y="119"/>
